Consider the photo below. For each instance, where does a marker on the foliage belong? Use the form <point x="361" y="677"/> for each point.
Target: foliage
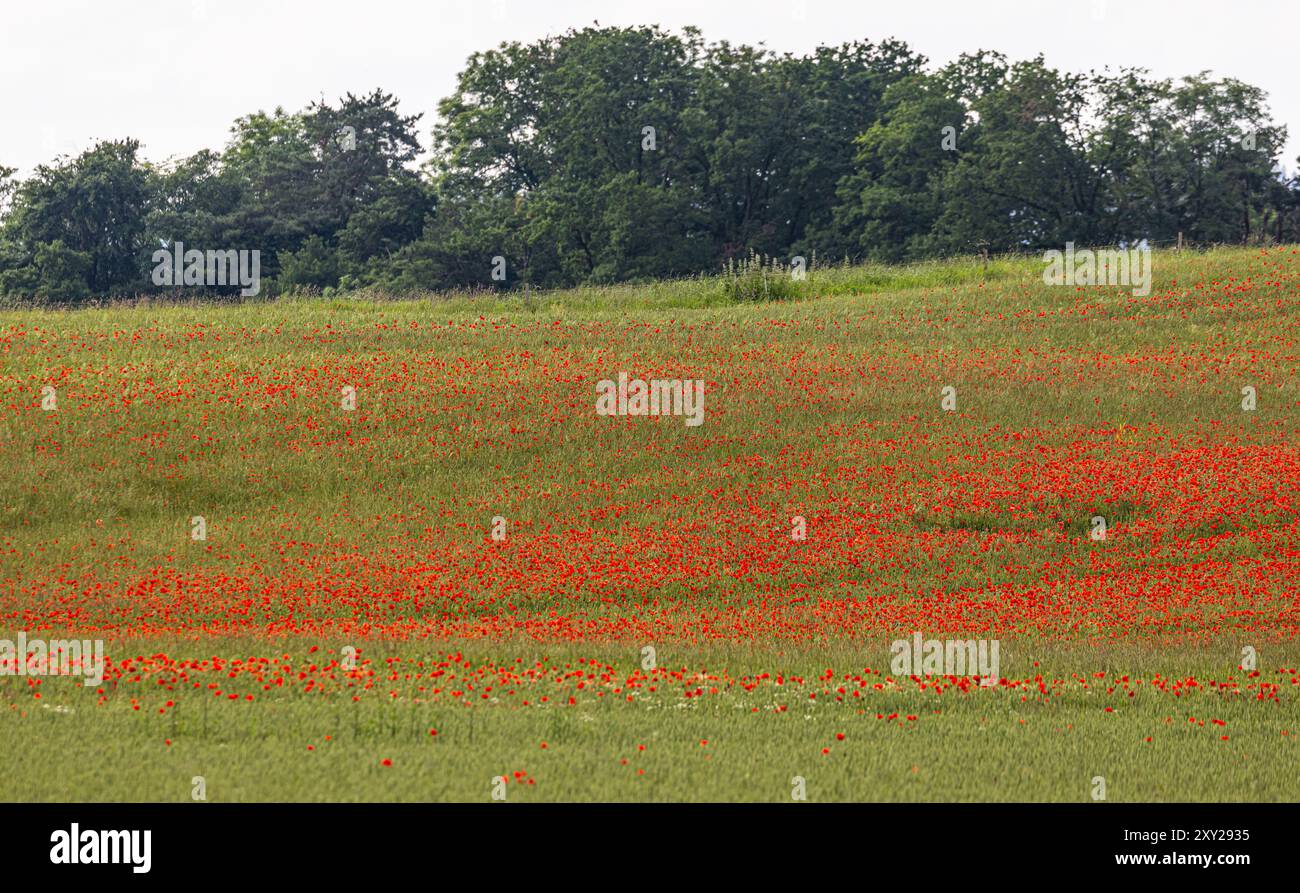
<point x="607" y="155"/>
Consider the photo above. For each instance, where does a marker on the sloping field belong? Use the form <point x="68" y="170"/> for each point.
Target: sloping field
<point x="371" y="550"/>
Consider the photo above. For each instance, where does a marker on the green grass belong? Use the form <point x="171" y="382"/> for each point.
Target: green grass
<point x="824" y="403"/>
<point x="990" y="745"/>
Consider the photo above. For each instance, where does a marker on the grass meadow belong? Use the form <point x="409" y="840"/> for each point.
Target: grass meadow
<point x="367" y="548"/>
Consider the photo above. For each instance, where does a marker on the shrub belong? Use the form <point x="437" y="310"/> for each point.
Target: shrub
<point x="760" y="278"/>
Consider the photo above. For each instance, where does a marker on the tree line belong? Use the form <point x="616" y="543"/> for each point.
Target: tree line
<point x="624" y="154"/>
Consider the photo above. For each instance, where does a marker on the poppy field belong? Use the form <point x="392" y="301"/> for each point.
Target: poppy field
<point x="365" y="549"/>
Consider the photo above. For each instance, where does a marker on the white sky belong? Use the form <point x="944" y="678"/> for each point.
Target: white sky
<point x="175" y="75"/>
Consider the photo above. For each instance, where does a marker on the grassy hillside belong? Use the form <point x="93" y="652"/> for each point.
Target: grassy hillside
<point x="348" y="562"/>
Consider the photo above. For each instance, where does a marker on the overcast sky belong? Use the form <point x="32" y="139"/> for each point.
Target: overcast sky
<point x="175" y="75"/>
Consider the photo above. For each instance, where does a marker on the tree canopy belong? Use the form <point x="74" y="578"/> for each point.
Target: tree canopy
<point x="623" y="154"/>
